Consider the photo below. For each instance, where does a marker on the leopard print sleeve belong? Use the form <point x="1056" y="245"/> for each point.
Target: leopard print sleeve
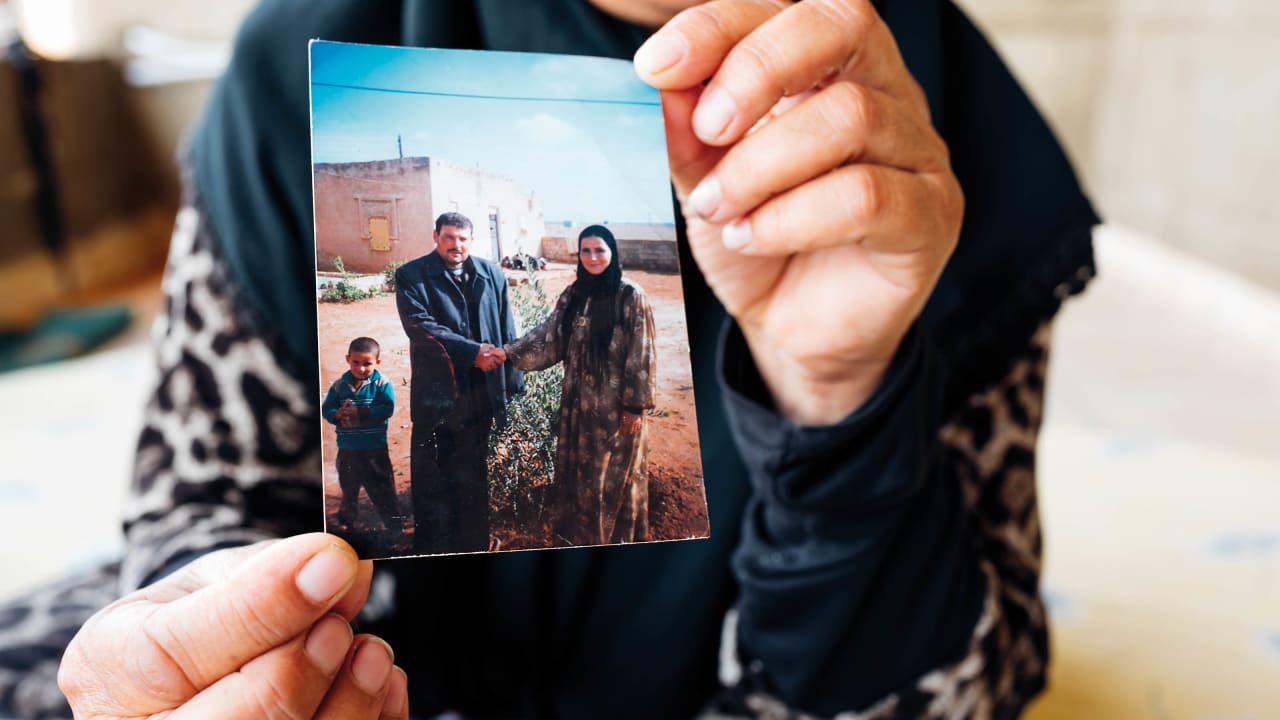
<point x="229" y="454"/>
<point x="990" y="452"/>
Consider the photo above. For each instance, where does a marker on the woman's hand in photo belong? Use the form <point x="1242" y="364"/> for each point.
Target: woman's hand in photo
<point x="630" y="423"/>
<point x="260" y="632"/>
<point x="820" y="201"/>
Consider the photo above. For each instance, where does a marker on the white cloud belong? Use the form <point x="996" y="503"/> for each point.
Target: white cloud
<point x="637" y="118"/>
<point x="547" y="129"/>
<point x="579" y="77"/>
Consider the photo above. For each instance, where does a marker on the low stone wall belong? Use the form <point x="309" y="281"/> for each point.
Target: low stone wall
<point x="557" y="249"/>
<point x="649" y="255"/>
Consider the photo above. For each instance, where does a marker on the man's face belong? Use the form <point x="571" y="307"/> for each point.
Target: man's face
<point x="362" y="364"/>
<point x="453" y="244"/>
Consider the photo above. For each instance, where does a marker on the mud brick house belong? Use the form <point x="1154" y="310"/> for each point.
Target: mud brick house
<point x="374" y="213"/>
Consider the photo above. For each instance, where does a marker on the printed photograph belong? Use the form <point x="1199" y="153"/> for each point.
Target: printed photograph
<point x="504" y="357"/>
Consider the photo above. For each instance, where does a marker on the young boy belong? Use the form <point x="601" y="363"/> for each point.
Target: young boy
<point x="360" y="403"/>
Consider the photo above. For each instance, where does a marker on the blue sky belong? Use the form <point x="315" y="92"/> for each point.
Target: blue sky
<point x="583" y="134"/>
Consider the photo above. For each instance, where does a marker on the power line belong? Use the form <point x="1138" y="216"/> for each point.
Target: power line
<point x="594" y="101"/>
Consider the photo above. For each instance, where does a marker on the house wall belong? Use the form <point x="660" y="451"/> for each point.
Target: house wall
<point x="476" y="194"/>
<point x="348" y="193"/>
<point x="413" y="192"/>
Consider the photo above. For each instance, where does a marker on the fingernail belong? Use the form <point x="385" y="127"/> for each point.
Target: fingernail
<point x="326" y="574"/>
<point x="705" y="199"/>
<point x="328" y="642"/>
<point x="394" y="704"/>
<point x="737" y="234"/>
<point x="371" y="665"/>
<point x="660" y="52"/>
<point x="714" y="113"/>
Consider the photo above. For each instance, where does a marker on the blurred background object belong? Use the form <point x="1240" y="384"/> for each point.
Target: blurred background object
<point x="1159" y="459"/>
<point x="185" y="40"/>
<point x="95" y="104"/>
<point x="1160" y="453"/>
<point x="1167" y="107"/>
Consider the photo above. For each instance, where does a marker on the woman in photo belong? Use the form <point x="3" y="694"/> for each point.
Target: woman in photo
<point x="602" y="330"/>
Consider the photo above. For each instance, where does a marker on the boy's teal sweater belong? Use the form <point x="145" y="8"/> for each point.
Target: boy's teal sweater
<point x="375" y="401"/>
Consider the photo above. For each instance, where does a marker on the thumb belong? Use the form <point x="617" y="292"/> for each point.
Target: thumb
<point x="275" y="595"/>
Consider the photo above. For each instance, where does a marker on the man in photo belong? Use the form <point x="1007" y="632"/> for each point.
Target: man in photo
<point x="455" y="310"/>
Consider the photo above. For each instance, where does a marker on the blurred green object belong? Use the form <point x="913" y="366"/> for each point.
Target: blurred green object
<point x="62" y="334"/>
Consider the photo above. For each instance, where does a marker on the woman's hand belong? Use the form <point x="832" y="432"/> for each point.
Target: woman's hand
<point x="630" y="423"/>
<point x="820" y="202"/>
<point x="258" y="632"/>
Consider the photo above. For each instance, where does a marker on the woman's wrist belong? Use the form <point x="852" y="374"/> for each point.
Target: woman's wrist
<point x="807" y="395"/>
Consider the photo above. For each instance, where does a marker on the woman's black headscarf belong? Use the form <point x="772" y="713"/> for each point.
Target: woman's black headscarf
<point x="1025" y="244"/>
<point x="603" y="288"/>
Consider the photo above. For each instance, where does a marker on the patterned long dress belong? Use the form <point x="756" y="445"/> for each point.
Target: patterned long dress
<point x="601" y="487"/>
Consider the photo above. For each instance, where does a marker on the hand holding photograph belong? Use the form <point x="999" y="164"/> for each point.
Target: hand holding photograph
<point x="501" y="324"/>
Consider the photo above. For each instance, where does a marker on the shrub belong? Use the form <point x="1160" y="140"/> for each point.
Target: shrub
<point x="345" y="290"/>
<point x="389" y="274"/>
<point x="522" y="455"/>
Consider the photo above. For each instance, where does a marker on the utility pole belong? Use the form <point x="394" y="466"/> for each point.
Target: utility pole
<point x="400" y="146"/>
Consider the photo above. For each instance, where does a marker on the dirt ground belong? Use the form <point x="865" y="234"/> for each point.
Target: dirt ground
<point x="677" y="501"/>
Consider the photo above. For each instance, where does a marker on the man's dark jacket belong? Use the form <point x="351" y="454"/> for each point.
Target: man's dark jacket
<point x="435" y="315"/>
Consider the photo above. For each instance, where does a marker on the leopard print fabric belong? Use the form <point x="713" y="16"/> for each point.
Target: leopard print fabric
<point x="35" y="629"/>
<point x="229" y="449"/>
<point x="229" y="452"/>
<point x="227" y="456"/>
<point x="991" y="445"/>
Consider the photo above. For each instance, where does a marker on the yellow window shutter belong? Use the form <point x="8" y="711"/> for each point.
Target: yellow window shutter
<point x="379" y="233"/>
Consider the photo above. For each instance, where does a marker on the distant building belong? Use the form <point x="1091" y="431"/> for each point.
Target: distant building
<point x="643" y="246"/>
<point x="374" y="213"/>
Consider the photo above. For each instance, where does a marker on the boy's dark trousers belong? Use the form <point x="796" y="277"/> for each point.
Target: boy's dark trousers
<point x="371" y="470"/>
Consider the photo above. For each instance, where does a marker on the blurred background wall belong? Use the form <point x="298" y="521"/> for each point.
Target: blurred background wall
<point x="95" y="100"/>
<point x="1168" y="108"/>
<point x="1159" y="459"/>
<point x="175" y="81"/>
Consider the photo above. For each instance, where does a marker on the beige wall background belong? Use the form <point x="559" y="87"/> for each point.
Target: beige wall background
<point x="1167" y="107"/>
<point x="64" y="29"/>
<point x="95" y="27"/>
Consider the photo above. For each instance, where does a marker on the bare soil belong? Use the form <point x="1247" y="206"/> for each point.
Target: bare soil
<point x="677" y="500"/>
